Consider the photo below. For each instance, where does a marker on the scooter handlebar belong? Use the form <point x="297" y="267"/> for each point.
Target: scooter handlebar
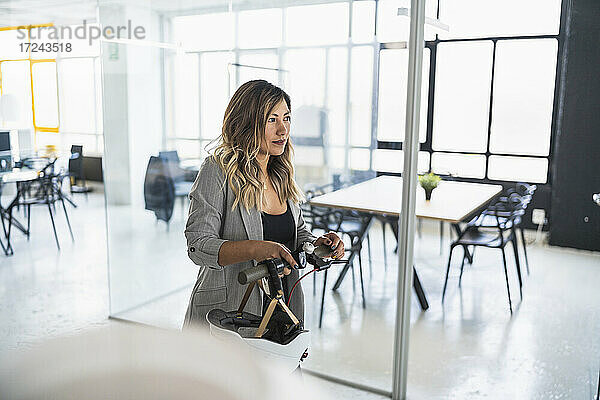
<point x="254" y="273"/>
<point x="261" y="270"/>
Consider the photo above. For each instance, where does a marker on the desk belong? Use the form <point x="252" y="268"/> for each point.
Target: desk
<point x="451" y="201"/>
<point x="16" y="175"/>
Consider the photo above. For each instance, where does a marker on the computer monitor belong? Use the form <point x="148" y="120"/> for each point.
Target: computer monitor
<point x="5" y="154"/>
<point x="4" y="141"/>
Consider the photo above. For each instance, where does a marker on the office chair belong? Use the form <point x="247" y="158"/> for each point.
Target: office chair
<point x="506" y="213"/>
<point x="178" y="174"/>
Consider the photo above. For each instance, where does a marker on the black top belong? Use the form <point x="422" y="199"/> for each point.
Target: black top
<point x="279" y="228"/>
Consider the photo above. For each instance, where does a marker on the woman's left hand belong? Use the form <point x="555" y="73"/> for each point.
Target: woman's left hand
<point x="334" y="242"/>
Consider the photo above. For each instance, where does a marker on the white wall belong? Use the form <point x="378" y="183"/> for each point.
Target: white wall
<point x="132" y="106"/>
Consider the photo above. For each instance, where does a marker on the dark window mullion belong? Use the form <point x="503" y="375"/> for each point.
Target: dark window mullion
<point x="428" y="145"/>
<point x="489" y="132"/>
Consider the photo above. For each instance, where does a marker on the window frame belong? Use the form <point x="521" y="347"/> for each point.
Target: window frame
<point x="432" y="46"/>
<point x="427" y="145"/>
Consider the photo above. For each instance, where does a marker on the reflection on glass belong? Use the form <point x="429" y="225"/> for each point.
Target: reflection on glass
<point x="361" y="94"/>
<point x="150" y="274"/>
<point x="464" y="165"/>
<point x="316" y="24"/>
<point x="462" y="96"/>
<point x="524" y="169"/>
<point x="487" y="18"/>
<point x="523" y="96"/>
<point x="45" y="94"/>
<point x="393" y="75"/>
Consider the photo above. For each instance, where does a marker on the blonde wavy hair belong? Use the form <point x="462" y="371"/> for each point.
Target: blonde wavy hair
<point x="238" y="146"/>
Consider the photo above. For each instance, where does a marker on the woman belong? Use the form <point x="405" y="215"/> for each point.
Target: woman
<point x="244" y="205"/>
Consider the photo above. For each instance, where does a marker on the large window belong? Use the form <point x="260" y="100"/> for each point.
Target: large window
<point x="393" y="74"/>
<point x="332" y="118"/>
<point x="493" y="84"/>
<point x="523" y="96"/>
<point x="487" y="92"/>
<point x="57" y="93"/>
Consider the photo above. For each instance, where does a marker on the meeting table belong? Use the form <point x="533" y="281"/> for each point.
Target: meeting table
<point x="452" y="201"/>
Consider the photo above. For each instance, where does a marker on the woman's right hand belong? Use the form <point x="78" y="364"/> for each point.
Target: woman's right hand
<point x="264" y="250"/>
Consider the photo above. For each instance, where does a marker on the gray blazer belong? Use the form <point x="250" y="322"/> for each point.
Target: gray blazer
<point x="210" y="223"/>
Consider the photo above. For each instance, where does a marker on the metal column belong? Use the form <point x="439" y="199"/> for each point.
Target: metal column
<point x="409" y="186"/>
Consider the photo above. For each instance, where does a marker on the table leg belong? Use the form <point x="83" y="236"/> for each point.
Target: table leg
<point x="361" y="234"/>
<point x="416" y="281"/>
<point x="419" y="290"/>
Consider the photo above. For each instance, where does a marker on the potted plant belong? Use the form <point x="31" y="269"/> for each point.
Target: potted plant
<point x="429" y="182"/>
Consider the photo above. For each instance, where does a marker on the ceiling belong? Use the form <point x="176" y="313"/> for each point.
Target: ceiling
<point x="64" y="12"/>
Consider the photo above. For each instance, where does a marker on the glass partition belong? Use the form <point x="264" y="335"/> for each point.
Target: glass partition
<point x="164" y="98"/>
<point x="345" y="66"/>
<point x="150" y="273"/>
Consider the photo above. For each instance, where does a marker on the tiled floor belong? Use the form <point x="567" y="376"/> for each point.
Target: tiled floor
<point x="470" y="347"/>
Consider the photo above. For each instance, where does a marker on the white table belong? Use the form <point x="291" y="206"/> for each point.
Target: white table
<point x="451" y="201"/>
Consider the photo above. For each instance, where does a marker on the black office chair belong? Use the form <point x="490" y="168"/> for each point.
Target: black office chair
<point x="178" y="174"/>
<point x="77" y="172"/>
<point x="45" y="190"/>
<point x="521" y="194"/>
<point x="159" y="190"/>
<point x="506" y="213"/>
<point x="325" y="219"/>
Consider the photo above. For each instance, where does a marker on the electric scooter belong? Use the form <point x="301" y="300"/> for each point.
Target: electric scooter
<point x="277" y="335"/>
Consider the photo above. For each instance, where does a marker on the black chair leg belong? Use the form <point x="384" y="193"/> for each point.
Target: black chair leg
<point x="524" y="249"/>
<point x="441" y="237"/>
<point x="28" y="220"/>
<point x="362" y="285"/>
<point x="369" y="251"/>
<point x="447" y="272"/>
<point x="323" y="298"/>
<point x="518" y="264"/>
<point x="462" y="266"/>
<point x="53" y="225"/>
<point x="67" y="218"/>
<point x="383" y="225"/>
<point x="314" y="284"/>
<point x="506" y="276"/>
<point x="353" y="274"/>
